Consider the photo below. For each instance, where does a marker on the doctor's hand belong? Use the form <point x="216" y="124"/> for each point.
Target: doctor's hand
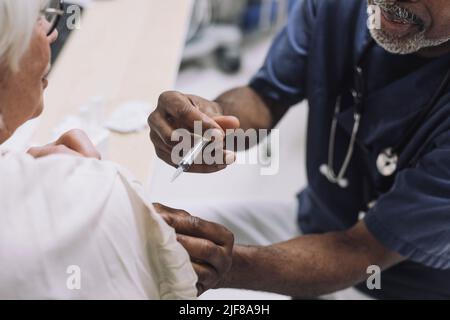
<point x="209" y="245"/>
<point x="74" y="142"/>
<point x="179" y="111"/>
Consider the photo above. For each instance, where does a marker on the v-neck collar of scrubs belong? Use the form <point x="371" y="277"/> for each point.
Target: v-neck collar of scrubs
<point x="391" y="107"/>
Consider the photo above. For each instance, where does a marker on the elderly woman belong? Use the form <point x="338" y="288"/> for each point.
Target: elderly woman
<point x="71" y="226"/>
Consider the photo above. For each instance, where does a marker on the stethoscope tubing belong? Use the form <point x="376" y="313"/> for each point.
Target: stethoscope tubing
<point x="393" y="153"/>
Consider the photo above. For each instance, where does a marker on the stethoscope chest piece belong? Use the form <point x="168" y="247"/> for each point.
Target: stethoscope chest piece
<point x="387" y="162"/>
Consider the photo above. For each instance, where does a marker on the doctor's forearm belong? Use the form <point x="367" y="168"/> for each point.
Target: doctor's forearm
<point x="308" y="266"/>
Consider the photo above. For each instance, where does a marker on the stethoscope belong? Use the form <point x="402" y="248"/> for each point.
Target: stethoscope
<point x="387" y="161"/>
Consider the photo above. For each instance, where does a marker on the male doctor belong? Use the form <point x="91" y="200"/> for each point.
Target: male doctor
<point x="378" y="143"/>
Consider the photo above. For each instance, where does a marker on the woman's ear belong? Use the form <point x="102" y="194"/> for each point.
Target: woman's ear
<point x="2" y="123"/>
<point x="3" y="73"/>
<point x="3" y="128"/>
<point x="5" y="132"/>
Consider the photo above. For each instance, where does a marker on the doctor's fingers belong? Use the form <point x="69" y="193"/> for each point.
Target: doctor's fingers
<point x="161" y="209"/>
<point x="166" y="156"/>
<point x="199" y="228"/>
<point x="162" y="132"/>
<point x="206" y="252"/>
<point x="207" y="277"/>
<point x="181" y="111"/>
<point x="160" y="146"/>
<point x="196" y="168"/>
<point x="161" y="128"/>
<point x="164" y="152"/>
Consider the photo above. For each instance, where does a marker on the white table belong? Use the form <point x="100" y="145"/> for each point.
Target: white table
<point x="125" y="50"/>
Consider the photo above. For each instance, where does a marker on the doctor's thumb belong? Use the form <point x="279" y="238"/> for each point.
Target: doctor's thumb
<point x="227" y="122"/>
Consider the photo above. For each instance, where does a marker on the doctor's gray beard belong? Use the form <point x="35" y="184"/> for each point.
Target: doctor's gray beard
<point x="408" y="45"/>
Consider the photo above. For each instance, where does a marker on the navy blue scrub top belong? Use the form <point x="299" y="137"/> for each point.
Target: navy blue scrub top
<point x="313" y="58"/>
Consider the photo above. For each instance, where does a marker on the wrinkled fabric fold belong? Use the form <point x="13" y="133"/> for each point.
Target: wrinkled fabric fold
<point x="61" y="212"/>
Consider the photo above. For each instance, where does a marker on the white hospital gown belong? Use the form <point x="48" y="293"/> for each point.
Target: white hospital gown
<point x="76" y="228"/>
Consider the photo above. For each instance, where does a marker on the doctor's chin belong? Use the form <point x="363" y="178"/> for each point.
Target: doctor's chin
<point x="198" y="150"/>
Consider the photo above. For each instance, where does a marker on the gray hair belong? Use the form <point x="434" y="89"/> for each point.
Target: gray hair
<point x="17" y="21"/>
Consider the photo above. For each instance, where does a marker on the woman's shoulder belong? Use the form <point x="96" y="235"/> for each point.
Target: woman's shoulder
<point x="55" y="167"/>
<point x="54" y="178"/>
<point x="61" y="210"/>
